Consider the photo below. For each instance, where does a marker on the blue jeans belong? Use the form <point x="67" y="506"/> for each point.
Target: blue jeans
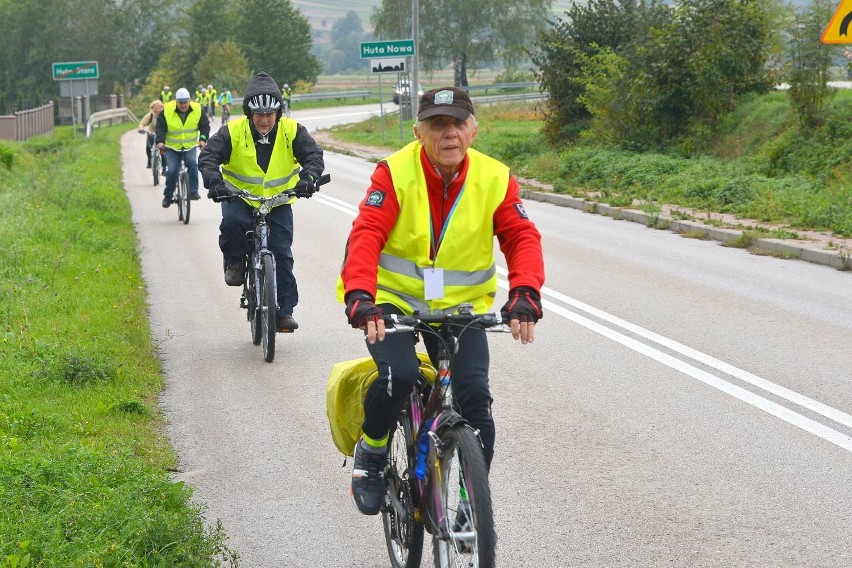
<point x="399" y="369"/>
<point x="173" y="158"/>
<point x="237" y="220"/>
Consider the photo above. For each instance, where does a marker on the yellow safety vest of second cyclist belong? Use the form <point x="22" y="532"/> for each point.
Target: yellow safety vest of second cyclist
<point x="465" y="250"/>
<point x="242" y="171"/>
<point x="181" y="135"/>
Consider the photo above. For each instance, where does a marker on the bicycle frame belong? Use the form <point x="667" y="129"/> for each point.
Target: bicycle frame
<point x="432" y="420"/>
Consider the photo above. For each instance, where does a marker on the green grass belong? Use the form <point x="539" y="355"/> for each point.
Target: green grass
<point x="83" y="459"/>
<point x="758" y="166"/>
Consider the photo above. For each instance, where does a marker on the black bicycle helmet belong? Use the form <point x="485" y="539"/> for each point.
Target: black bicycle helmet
<point x="262" y="95"/>
<point x="265" y="104"/>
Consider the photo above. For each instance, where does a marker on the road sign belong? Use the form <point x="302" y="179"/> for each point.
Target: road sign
<point x="838" y="28"/>
<point x="389" y="48"/>
<point x="387" y="65"/>
<point x="75" y="70"/>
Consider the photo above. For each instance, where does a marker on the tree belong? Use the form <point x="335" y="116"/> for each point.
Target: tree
<point x="347" y="34"/>
<point x="276" y="38"/>
<point x="562" y="50"/>
<point x="468" y="33"/>
<point x="123" y="37"/>
<point x="808" y="65"/>
<point x="225" y="65"/>
<point x="679" y="67"/>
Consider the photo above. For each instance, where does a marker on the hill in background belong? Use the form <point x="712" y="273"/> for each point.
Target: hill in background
<point x="323" y="13"/>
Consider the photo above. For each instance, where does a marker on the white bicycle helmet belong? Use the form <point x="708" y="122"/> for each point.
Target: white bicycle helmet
<point x="264" y="104"/>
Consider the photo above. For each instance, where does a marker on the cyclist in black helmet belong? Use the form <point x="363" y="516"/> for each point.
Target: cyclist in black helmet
<point x="263" y="153"/>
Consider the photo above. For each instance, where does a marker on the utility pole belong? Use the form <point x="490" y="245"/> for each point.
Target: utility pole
<point x="415" y="35"/>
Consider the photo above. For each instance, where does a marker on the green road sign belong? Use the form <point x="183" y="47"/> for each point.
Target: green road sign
<point x="389" y="48"/>
<point x="75" y="70"/>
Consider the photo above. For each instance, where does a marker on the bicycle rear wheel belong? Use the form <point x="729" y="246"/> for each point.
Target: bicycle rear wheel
<point x="466" y="536"/>
<point x="267" y="307"/>
<point x="403" y="534"/>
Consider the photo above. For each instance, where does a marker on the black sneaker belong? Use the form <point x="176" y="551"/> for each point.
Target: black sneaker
<point x="194" y="196"/>
<point x="286" y="324"/>
<point x="235" y="274"/>
<point x="167" y="201"/>
<point x="368" y="480"/>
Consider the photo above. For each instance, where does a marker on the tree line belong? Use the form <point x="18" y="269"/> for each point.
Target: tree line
<point x="143" y="45"/>
<point x="652" y="74"/>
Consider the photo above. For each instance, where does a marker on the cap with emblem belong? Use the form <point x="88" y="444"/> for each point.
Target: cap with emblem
<point x="445" y="101"/>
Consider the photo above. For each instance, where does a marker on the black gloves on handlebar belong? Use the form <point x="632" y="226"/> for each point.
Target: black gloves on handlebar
<point x="524" y="305"/>
<point x="360" y="309"/>
<point x="218" y="192"/>
<point x="305" y="187"/>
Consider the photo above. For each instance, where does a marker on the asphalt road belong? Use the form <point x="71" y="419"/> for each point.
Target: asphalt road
<point x="684" y="404"/>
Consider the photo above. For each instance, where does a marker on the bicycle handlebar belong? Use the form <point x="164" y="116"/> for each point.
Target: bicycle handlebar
<point x="491" y="322"/>
<point x="279" y="198"/>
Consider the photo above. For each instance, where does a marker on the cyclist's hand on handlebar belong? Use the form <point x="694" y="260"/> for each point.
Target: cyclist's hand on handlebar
<point x="305" y="188"/>
<point x="218" y="192"/>
<point x="362" y="313"/>
<point x="522" y="311"/>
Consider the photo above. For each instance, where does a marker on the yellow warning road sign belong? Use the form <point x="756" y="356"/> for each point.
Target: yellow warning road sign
<point x="839" y="29"/>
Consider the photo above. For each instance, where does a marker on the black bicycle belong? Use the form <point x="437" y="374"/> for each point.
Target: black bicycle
<point x="181" y="194"/>
<point x="155" y="158"/>
<point x="260" y="295"/>
<point x="437" y="477"/>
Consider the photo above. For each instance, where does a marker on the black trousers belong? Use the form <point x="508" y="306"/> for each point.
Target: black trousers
<point x="399" y="368"/>
<point x="237" y="219"/>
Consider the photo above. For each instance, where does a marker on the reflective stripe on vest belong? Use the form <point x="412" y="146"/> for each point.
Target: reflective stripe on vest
<point x="181" y="135"/>
<point x="242" y="171"/>
<point x="466" y="250"/>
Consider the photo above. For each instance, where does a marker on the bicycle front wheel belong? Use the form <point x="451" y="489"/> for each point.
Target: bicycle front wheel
<point x="403" y="534"/>
<point x="183" y="197"/>
<point x="267" y="307"/>
<point x="465" y="523"/>
<point x="155" y="166"/>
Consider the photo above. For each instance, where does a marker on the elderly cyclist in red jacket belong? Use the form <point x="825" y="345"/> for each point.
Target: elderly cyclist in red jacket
<point x="423" y="240"/>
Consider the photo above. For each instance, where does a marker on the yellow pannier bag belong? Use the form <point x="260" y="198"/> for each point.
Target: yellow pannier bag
<point x="344" y="397"/>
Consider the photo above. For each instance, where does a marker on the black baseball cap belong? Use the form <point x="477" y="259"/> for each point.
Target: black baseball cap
<point x="445" y="101"/>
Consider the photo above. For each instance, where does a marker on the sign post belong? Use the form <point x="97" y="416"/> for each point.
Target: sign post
<point x="77" y="79"/>
<point x="390" y="56"/>
<point x="388" y="48"/>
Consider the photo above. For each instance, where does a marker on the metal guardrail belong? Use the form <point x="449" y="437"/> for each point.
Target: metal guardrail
<point x="362" y="94"/>
<point x="496" y="86"/>
<point x="108" y="115"/>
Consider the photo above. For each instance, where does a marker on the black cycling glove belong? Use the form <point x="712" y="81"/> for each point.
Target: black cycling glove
<point x="524" y="305"/>
<point x="360" y="309"/>
<point x="218" y="192"/>
<point x="305" y="187"/>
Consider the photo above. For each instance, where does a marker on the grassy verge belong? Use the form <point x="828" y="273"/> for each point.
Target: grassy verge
<point x="758" y="166"/>
<point x="83" y="458"/>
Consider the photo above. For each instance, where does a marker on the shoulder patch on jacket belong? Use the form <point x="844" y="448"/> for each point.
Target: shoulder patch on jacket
<point x="522" y="213"/>
<point x="375" y="199"/>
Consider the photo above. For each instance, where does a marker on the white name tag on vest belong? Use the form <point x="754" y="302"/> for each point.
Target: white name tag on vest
<point x="433" y="279"/>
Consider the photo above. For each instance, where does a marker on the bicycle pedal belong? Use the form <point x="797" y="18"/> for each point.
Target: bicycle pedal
<point x="286" y="330"/>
